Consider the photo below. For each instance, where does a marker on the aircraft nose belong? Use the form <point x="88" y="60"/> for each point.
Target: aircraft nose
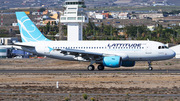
<point x="172" y="53"/>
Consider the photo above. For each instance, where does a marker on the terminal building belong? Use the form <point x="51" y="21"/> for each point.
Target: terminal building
<point x="74" y="17"/>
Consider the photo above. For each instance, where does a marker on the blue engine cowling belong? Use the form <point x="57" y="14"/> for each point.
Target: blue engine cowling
<point x="111" y="61"/>
<point x="128" y="63"/>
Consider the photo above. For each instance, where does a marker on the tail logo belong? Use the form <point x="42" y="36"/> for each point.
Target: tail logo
<point x="50" y="49"/>
<point x="29" y="32"/>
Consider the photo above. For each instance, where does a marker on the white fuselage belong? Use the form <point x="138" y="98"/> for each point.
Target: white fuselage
<point x="128" y="50"/>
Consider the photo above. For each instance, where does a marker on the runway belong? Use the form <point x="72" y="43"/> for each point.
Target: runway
<point x="86" y="71"/>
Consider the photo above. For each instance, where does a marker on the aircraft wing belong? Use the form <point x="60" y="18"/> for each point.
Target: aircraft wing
<point x="87" y="55"/>
<point x="81" y="53"/>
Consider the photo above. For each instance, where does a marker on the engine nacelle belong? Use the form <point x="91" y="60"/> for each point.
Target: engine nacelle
<point x="111" y="61"/>
<point x="128" y="63"/>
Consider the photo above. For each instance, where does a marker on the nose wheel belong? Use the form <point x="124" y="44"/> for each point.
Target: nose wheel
<point x="150" y="68"/>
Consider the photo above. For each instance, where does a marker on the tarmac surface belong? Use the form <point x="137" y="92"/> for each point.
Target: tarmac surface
<point x="65" y="94"/>
<point x="86" y="71"/>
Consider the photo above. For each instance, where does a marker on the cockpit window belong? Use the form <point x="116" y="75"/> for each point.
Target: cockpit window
<point x="162" y="47"/>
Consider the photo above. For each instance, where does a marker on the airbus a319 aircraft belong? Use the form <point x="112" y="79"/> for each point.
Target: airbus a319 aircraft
<point x="111" y="54"/>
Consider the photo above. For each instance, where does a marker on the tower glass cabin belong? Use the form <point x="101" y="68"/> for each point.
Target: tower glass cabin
<point x="74" y="17"/>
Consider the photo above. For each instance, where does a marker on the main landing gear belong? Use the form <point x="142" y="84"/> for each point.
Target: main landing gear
<point x="91" y="67"/>
<point x="150" y="68"/>
<point x="100" y="67"/>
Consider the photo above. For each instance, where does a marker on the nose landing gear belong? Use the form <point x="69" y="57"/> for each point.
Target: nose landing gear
<point x="150" y="68"/>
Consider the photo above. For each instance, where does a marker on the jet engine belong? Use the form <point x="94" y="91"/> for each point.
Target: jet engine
<point x="110" y="61"/>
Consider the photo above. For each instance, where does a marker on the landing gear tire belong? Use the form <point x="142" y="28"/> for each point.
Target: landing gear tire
<point x="150" y="68"/>
<point x="100" y="67"/>
<point x="90" y="67"/>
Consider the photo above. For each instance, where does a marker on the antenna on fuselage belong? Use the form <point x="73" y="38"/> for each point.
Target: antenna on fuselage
<point x="147" y="39"/>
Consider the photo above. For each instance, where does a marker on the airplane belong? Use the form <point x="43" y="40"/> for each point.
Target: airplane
<point x="107" y="53"/>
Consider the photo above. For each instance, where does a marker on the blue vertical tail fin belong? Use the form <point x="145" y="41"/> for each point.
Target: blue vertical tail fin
<point x="29" y="32"/>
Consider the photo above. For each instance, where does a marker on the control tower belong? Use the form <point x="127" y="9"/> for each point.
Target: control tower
<point x="74" y="17"/>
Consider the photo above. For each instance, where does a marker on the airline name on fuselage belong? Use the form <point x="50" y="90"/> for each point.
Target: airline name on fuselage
<point x="124" y="45"/>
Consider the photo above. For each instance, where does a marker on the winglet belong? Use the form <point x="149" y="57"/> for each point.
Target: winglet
<point x="29" y="32"/>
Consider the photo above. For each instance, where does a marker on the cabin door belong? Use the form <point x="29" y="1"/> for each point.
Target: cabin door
<point x="148" y="48"/>
<point x="46" y="50"/>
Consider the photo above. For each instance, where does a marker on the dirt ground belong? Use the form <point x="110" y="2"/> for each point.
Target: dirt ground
<point x="100" y="86"/>
<point x="47" y="63"/>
